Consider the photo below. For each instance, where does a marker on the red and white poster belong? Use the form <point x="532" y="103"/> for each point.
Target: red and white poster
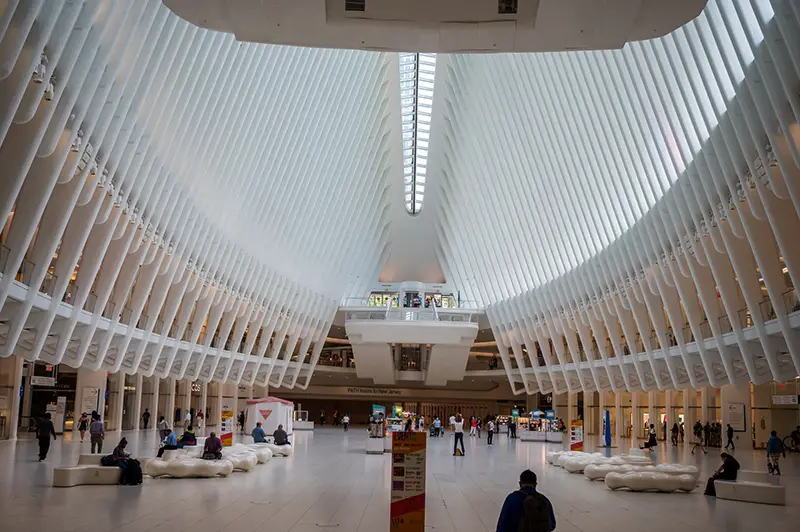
<point x="270" y="412"/>
<point x="407" y="511"/>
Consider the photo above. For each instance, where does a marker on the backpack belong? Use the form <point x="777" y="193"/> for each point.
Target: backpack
<point x="132" y="473"/>
<point x="535" y="514"/>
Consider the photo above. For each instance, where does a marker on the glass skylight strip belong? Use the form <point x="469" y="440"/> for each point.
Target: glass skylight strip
<point x="417" y="73"/>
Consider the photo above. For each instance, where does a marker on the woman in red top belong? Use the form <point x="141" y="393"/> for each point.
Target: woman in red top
<point x="473" y="426"/>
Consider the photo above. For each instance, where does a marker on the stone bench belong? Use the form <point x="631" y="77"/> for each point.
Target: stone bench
<point x="89" y="471"/>
<point x="754" y="476"/>
<point x="745" y="491"/>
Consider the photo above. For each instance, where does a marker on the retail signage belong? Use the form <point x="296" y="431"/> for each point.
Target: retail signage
<point x="550" y="414"/>
<point x="407" y="510"/>
<point x="576" y="436"/>
<point x="378" y="409"/>
<point x="89" y="399"/>
<point x="372" y="391"/>
<point x="784" y="399"/>
<point x="515" y="412"/>
<point x="736" y="417"/>
<point x="58" y="418"/>
<point x="42" y="381"/>
<point x="226" y="428"/>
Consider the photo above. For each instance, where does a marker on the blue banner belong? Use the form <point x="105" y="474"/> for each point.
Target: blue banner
<point x="607" y="427"/>
<point x="550" y="414"/>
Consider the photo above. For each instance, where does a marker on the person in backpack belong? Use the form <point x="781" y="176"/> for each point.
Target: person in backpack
<point x="775" y="449"/>
<point x="526" y="510"/>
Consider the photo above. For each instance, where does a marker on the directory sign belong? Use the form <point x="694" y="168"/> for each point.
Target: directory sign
<point x="407" y="511"/>
<point x="226" y="430"/>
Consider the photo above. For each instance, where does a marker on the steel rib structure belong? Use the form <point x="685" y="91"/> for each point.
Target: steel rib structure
<point x="177" y="203"/>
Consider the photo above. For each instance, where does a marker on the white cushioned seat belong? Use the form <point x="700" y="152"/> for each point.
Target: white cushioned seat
<point x="279" y="450"/>
<point x="650" y="481"/>
<point x="242" y="458"/>
<point x="185" y="467"/>
<point x="757" y="492"/>
<point x="262" y="452"/>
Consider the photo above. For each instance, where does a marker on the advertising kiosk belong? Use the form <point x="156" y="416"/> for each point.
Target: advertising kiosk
<point x="271" y="412"/>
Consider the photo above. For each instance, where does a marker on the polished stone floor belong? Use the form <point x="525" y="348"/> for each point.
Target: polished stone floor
<point x="331" y="484"/>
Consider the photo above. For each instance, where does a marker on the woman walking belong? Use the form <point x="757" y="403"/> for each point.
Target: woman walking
<point x="83" y="424"/>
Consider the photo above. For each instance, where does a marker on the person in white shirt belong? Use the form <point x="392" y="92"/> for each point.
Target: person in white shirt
<point x="188" y="419"/>
<point x="421" y="422"/>
<point x="452" y="423"/>
<point x="490" y="431"/>
<point x="345" y="421"/>
<point x="458" y="427"/>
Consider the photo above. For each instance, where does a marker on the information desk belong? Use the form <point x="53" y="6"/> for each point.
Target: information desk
<point x="541" y="435"/>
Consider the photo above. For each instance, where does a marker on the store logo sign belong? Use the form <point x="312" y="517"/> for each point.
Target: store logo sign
<point x="265" y="414"/>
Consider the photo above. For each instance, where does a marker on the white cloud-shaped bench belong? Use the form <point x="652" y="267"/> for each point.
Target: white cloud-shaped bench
<point x="650" y="481"/>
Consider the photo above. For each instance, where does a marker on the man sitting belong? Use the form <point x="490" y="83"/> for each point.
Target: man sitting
<point x="188" y="438"/>
<point x="259" y="436"/>
<point x="212" y="450"/>
<point x="170" y="443"/>
<point x="280" y="436"/>
<point x="727" y="471"/>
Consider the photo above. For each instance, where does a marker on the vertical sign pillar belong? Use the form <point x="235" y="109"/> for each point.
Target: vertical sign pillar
<point x="407" y="511"/>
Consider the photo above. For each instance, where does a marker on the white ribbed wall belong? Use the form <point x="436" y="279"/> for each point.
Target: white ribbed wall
<point x="242" y="186"/>
<point x="602" y="198"/>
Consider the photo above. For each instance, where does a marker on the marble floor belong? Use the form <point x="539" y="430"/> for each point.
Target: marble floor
<point x="331" y="484"/>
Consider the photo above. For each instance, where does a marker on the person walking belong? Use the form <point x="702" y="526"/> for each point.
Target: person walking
<point x="187" y="420"/>
<point x="421" y="423"/>
<point x="458" y="430"/>
<point x="200" y="418"/>
<point x="45" y="429"/>
<point x="526" y="508"/>
<point x="512" y="428"/>
<point x="478" y="427"/>
<point x="729" y="434"/>
<point x="241" y="421"/>
<point x="163" y="427"/>
<point x="145" y="418"/>
<point x="346" y="421"/>
<point x="489" y="432"/>
<point x="96" y="434"/>
<point x="473" y="425"/>
<point x="452" y="423"/>
<point x="775" y="449"/>
<point x="83" y="424"/>
<point x="675" y="431"/>
<point x="707" y="433"/>
<point x="698" y="439"/>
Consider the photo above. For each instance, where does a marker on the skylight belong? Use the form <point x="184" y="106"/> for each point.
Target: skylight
<point x="417" y="72"/>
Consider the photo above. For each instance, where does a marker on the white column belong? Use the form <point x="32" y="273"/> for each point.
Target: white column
<point x="688" y="412"/>
<point x="571" y="406"/>
<point x="636" y="418"/>
<point x="652" y="413"/>
<point x="204" y="401"/>
<point x="19" y="364"/>
<point x="90" y="390"/>
<point x="668" y="411"/>
<point x="119" y="405"/>
<point x="735" y="406"/>
<point x="169" y="408"/>
<point x="618" y="419"/>
<point x="602" y="399"/>
<point x="155" y="386"/>
<point x="137" y="407"/>
<point x="186" y="401"/>
<point x="250" y="393"/>
<point x="218" y="409"/>
<point x="704" y="404"/>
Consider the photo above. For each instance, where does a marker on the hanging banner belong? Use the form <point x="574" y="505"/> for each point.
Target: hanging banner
<point x="226" y="428"/>
<point x="407" y="511"/>
<point x="607" y="428"/>
<point x="576" y="436"/>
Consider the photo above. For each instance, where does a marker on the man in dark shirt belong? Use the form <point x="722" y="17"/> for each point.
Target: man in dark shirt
<point x="44" y="430"/>
<point x="514" y="507"/>
<point x="280" y="437"/>
<point x="727" y="471"/>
